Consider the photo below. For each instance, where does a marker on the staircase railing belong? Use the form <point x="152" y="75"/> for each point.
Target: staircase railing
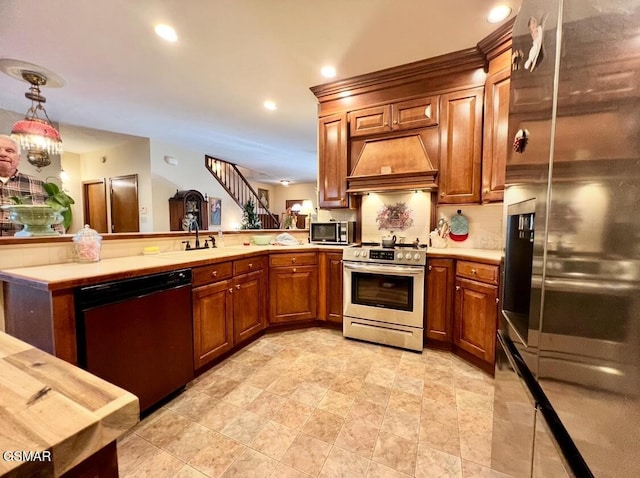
<point x="237" y="186"/>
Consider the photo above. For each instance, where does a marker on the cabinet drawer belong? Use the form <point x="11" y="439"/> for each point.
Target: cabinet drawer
<point x="481" y="272"/>
<point x="293" y="259"/>
<point x="251" y="264"/>
<point x="212" y="273"/>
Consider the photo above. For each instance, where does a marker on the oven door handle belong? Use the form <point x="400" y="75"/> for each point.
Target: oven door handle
<point x="385" y="269"/>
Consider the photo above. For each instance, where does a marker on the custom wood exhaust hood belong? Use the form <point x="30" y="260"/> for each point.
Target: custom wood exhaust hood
<point x="393" y="164"/>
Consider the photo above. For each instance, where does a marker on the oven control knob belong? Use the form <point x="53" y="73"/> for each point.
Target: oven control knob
<point x="399" y="256"/>
<point x="364" y="253"/>
<point x="416" y="256"/>
<point x="356" y="253"/>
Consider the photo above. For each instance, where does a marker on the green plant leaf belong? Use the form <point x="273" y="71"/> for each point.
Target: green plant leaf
<point x="60" y="201"/>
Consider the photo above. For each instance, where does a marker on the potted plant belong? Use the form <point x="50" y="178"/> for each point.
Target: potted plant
<point x="59" y="201"/>
<point x="38" y="218"/>
<point x="250" y="219"/>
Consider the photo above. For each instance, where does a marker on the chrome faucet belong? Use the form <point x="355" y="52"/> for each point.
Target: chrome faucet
<point x="193" y="225"/>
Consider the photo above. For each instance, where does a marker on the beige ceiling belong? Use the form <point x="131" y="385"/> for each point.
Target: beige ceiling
<point x="206" y="91"/>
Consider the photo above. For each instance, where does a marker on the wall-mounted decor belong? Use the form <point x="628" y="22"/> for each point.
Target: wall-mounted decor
<point x="394" y="216"/>
<point x="263" y="194"/>
<point x="215" y="211"/>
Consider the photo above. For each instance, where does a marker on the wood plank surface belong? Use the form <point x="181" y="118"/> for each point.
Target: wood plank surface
<point x="47" y="404"/>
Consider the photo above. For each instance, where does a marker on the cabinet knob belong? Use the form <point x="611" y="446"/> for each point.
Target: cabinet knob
<point x="430" y="268"/>
<point x="395" y="121"/>
<point x="294" y="269"/>
<point x="473" y="271"/>
<point x="230" y="290"/>
<point x="293" y="260"/>
<point x="497" y="300"/>
<point x="250" y="265"/>
<point x="238" y="286"/>
<point x="442" y="194"/>
<point x="385" y="124"/>
<point x="486" y="191"/>
<point x="457" y="287"/>
<point x="214" y="274"/>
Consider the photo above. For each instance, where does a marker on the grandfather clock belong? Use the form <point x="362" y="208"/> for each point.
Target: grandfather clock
<point x="185" y="203"/>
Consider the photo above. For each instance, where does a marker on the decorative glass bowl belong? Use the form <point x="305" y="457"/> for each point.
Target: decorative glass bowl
<point x="36" y="219"/>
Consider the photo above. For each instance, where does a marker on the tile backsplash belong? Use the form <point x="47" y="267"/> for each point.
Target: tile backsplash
<point x="414" y="223"/>
<point x="485" y="221"/>
<point x="485" y="224"/>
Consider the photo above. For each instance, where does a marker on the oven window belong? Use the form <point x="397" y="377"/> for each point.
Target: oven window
<point x="381" y="290"/>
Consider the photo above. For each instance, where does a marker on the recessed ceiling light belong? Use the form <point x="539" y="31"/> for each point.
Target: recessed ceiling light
<point x="499" y="13"/>
<point x="328" y="71"/>
<point x="270" y="105"/>
<point x="285" y="182"/>
<point x="166" y="33"/>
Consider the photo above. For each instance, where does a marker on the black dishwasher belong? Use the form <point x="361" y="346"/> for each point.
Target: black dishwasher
<point x="138" y="334"/>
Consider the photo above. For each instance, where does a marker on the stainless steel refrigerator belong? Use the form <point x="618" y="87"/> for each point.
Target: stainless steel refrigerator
<point x="567" y="396"/>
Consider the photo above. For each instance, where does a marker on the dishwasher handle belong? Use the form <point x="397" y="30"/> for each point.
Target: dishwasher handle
<point x="116" y="291"/>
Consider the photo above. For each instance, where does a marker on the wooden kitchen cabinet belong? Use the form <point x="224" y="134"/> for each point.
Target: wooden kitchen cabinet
<point x="476" y="311"/>
<point x="249" y="298"/>
<point x="416" y="113"/>
<point x="439" y="309"/>
<point x="460" y="146"/>
<point x="495" y="140"/>
<point x="293" y="287"/>
<point x="212" y="321"/>
<point x="333" y="287"/>
<point x="333" y="161"/>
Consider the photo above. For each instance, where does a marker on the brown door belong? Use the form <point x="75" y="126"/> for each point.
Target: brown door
<point x="94" y="204"/>
<point x="124" y="204"/>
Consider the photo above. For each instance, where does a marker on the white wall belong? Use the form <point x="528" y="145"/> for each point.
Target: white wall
<point x="73" y="187"/>
<point x="189" y="173"/>
<point x="131" y="157"/>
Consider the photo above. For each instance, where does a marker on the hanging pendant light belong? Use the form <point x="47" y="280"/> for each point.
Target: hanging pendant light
<point x="36" y="134"/>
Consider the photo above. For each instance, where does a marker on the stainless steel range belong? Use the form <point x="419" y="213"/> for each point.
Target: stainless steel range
<point x="384" y="295"/>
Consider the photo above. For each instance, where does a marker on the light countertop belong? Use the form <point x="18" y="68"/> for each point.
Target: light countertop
<point x="483" y="255"/>
<point x="48" y="404"/>
<point x="72" y="274"/>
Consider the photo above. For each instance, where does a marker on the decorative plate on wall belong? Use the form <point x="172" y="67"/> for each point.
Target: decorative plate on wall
<point x="459" y="227"/>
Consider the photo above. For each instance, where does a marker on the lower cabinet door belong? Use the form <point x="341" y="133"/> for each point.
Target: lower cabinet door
<point x="439" y="320"/>
<point x="334" y="288"/>
<point x="475" y="318"/>
<point x="212" y="321"/>
<point x="248" y="305"/>
<point x="293" y="294"/>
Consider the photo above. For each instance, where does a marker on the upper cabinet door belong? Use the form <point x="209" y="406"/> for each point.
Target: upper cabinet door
<point x="332" y="159"/>
<point x="369" y="121"/>
<point x="417" y="113"/>
<point x="460" y="146"/>
<point x="496" y="130"/>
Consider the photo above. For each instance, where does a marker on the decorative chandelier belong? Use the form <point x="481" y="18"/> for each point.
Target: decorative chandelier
<point x="35" y="134"/>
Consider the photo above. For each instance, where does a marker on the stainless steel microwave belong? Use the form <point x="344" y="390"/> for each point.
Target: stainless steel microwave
<point x="334" y="232"/>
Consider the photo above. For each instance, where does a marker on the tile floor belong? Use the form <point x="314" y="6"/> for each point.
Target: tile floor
<point x="311" y="403"/>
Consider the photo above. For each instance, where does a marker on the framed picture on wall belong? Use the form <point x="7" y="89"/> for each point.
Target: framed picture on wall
<point x="263" y="194"/>
<point x="215" y="211"/>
